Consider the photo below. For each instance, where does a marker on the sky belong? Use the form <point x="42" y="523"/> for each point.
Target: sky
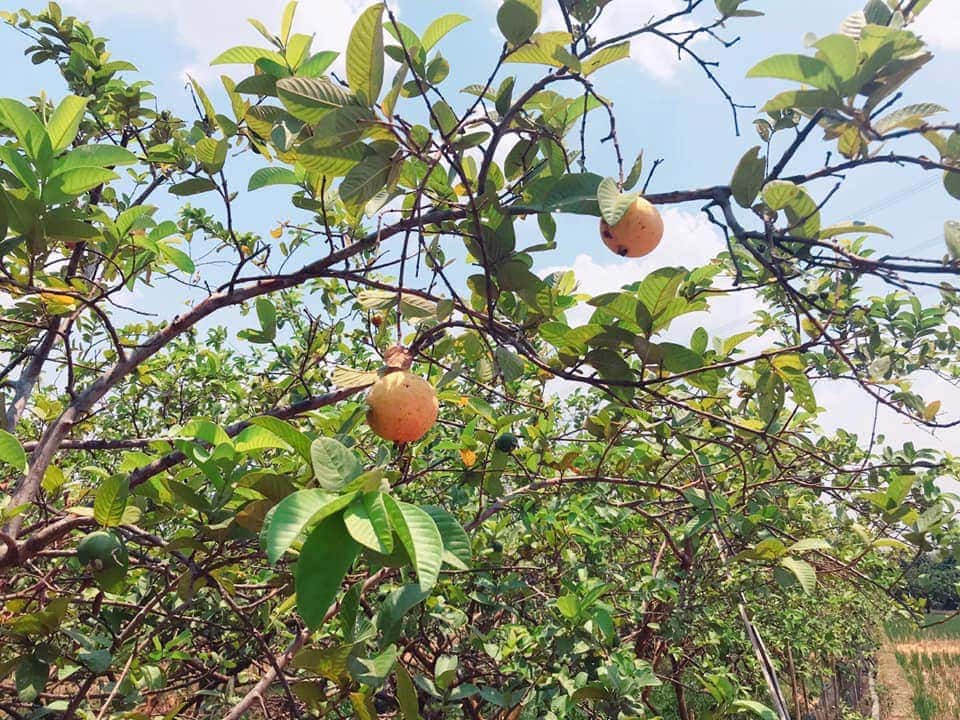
<point x="665" y="107"/>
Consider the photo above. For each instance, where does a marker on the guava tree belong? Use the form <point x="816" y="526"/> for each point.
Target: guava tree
<point x="200" y="521"/>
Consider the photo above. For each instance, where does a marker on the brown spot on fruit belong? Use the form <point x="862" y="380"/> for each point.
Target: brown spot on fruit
<point x="402" y="406"/>
<point x="637" y="234"/>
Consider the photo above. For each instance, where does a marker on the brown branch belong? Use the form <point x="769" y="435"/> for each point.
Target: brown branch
<point x="259" y="690"/>
<point x="49" y="443"/>
<point x="141" y="475"/>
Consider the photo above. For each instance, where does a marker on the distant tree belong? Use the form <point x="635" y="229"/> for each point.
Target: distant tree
<point x="935" y="581"/>
<point x="201" y="520"/>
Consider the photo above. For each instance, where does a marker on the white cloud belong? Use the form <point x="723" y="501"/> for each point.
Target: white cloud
<point x="939" y="24"/>
<point x="208" y="27"/>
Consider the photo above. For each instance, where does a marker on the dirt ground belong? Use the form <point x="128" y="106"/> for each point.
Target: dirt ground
<point x="896" y="697"/>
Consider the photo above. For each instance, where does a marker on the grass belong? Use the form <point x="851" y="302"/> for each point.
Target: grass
<point x="930" y="658"/>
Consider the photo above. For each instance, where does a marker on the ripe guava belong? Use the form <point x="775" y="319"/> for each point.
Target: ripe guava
<point x="637" y="233"/>
<point x="401" y="406"/>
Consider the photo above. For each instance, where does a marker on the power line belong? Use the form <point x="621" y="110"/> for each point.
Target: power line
<point x="896" y="197"/>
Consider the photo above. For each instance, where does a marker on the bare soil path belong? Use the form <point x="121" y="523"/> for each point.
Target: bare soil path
<point x="895" y="692"/>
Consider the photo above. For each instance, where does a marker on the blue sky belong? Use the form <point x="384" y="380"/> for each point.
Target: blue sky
<point x="666" y="108"/>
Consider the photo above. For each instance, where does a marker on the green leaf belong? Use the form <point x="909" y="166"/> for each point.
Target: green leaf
<point x="342" y="127"/>
<point x="363" y="705"/>
<point x="246" y="55"/>
<point x="365" y="180"/>
<point x="94" y="156"/>
<point x="591" y="692"/>
<point x="456" y="543"/>
<point x="573" y="193"/>
<point x="758" y="709"/>
<point x="267" y="176"/>
<point x="326" y="557"/>
<point x="295" y="514"/>
<point x="262" y="84"/>
<point x="511" y="366"/>
<point x="445" y="671"/>
<point x="748" y="177"/>
<point x="286" y="21"/>
<point x="906" y="116"/>
<point x="801" y="210"/>
<point x="840" y="53"/>
<point x="613" y="203"/>
<point x="804" y="572"/>
<point x="211" y="153"/>
<point x="518" y="20"/>
<point x="98" y="661"/>
<point x="208" y="109"/>
<point x="111" y="500"/>
<point x="125" y="220"/>
<point x="806" y="100"/>
<point x="633" y="177"/>
<point x="11" y="452"/>
<point x="257" y="438"/>
<point x="328" y="662"/>
<point x="899" y="488"/>
<point x="308" y="99"/>
<point x="76" y="182"/>
<point x="877" y="12"/>
<point x="658" y="293"/>
<point x="768" y="549"/>
<point x="440" y="27"/>
<point x="606" y="56"/>
<point x="852" y="227"/>
<point x="193" y="186"/>
<point x="420" y="537"/>
<point x="367" y="522"/>
<point x="778" y="194"/>
<point x="286" y="432"/>
<point x="20" y="167"/>
<point x="808" y="544"/>
<point x="951" y="181"/>
<point x="177" y="258"/>
<point x="801" y="68"/>
<point x="542" y="49"/>
<point x="64" y="123"/>
<point x="330" y="161"/>
<point x="951" y="235"/>
<point x="30" y="678"/>
<point x="373" y="672"/>
<point x="267" y="315"/>
<point x="317" y="63"/>
<point x="407" y="695"/>
<point x="334" y="466"/>
<point x="679" y="359"/>
<point x="297" y="50"/>
<point x="790" y="368"/>
<point x="365" y="55"/>
<point x="26" y="126"/>
<point x="397" y="604"/>
<point x="568" y="605"/>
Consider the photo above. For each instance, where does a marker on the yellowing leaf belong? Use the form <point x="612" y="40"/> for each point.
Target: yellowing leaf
<point x="469" y="458"/>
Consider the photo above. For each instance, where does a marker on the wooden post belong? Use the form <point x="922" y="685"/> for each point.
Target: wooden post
<point x="793" y="682"/>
